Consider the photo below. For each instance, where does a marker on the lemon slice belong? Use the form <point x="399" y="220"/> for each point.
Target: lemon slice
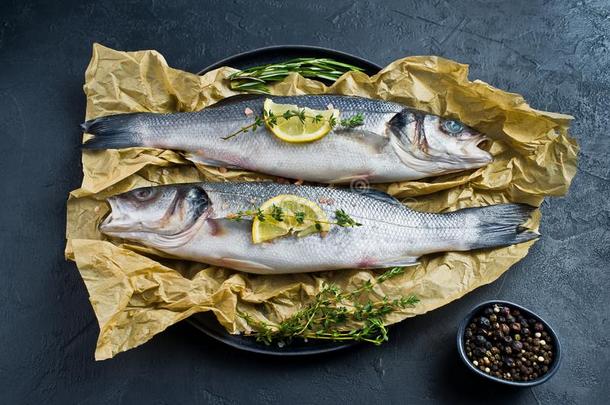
<point x="293" y="129"/>
<point x="291" y="206"/>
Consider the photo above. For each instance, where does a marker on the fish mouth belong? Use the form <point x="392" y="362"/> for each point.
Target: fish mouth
<point x="120" y="223"/>
<point x="474" y="152"/>
<point x="111" y="224"/>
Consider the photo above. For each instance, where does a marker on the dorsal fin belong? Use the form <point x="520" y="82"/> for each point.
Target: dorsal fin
<point x="380" y="196"/>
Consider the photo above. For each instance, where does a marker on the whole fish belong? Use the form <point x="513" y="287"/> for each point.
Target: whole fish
<point x="394" y="143"/>
<point x="190" y="221"/>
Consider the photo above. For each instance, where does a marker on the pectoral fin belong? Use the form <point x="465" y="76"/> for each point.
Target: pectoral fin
<point x="196" y="158"/>
<point x="400" y="262"/>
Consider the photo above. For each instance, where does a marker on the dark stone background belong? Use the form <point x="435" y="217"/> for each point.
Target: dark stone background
<point x="555" y="53"/>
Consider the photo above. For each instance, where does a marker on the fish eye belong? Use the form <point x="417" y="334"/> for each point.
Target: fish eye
<point x="143" y="194"/>
<point x="452" y="127"/>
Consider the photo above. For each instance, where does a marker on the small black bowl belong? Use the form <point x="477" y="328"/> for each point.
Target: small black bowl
<point x="553" y="367"/>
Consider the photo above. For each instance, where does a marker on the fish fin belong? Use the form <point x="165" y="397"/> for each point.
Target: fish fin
<point x="248" y="266"/>
<point x="380" y="196"/>
<point x="500" y="225"/>
<point x="349" y="179"/>
<point x="374" y="141"/>
<point x="195" y="158"/>
<point x="400" y="262"/>
<point x="113" y="132"/>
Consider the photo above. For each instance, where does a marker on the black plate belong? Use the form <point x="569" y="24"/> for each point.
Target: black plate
<point x="206" y="322"/>
<point x="279" y="53"/>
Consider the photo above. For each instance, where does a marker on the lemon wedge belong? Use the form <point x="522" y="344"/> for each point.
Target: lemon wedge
<point x="295" y="129"/>
<point x="288" y="214"/>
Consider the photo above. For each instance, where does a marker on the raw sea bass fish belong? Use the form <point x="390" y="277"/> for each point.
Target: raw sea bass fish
<point x="189" y="221"/>
<point x="394" y="143"/>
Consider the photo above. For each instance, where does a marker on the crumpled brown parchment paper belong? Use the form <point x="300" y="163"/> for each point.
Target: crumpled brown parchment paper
<point x="137" y="293"/>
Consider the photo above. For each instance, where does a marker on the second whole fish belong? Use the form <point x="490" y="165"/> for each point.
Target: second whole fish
<point x="191" y="221"/>
<point x="394" y="143"/>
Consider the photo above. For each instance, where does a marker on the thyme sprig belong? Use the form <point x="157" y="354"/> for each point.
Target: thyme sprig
<point x="270" y="119"/>
<point x="255" y="79"/>
<point x="280" y="215"/>
<point x="330" y="312"/>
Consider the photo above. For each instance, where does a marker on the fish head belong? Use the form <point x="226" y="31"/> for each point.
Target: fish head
<point x="437" y="144"/>
<point x="153" y="213"/>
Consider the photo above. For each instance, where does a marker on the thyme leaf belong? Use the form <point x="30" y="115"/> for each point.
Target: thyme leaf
<point x="353" y="121"/>
<point x="332" y="310"/>
<point x="343" y="219"/>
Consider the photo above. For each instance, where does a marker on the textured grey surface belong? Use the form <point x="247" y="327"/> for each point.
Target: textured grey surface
<point x="555" y="53"/>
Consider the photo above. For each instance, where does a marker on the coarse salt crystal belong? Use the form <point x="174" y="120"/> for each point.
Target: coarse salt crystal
<point x="248" y="111"/>
<point x="326" y="200"/>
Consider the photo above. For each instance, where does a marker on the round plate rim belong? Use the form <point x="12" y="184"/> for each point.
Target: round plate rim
<point x="261" y="348"/>
<point x="226" y="337"/>
<point x="288" y="48"/>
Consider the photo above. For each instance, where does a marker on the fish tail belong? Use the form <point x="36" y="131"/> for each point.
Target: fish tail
<point x="500" y="225"/>
<point x="113" y="132"/>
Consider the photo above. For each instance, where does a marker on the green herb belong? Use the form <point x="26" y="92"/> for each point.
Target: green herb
<point x="331" y="310"/>
<point x="270" y="119"/>
<point x="300" y="217"/>
<point x="255" y="79"/>
<point x="277" y="213"/>
<point x="354" y="121"/>
<point x="345" y="220"/>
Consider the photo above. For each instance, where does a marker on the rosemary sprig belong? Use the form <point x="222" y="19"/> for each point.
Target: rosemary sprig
<point x="331" y="310"/>
<point x="270" y="119"/>
<point x="255" y="79"/>
<point x="277" y="213"/>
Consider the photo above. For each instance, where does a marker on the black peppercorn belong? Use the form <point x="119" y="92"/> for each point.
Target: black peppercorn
<point x="480" y="340"/>
<point x="484" y="322"/>
<point x="479" y="352"/>
<point x="500" y="341"/>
